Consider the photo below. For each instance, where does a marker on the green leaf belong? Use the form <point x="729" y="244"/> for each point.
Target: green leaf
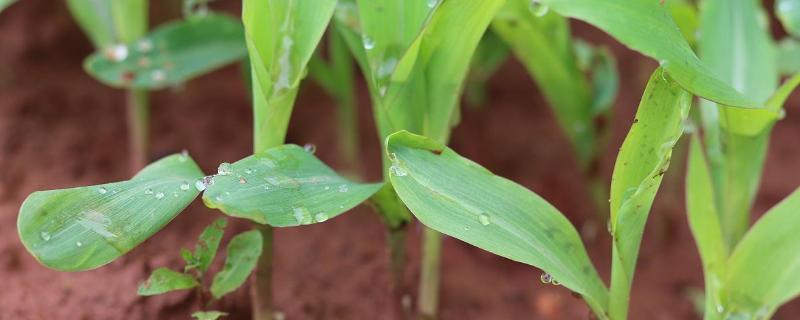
<point x="243" y="252"/>
<point x="788" y="12"/>
<point x="705" y="226"/>
<point x="641" y="163"/>
<point x="490" y="212"/>
<point x="285" y="186"/>
<point x="164" y="280"/>
<point x="763" y="268"/>
<point x="489" y="56"/>
<point x="208" y="315"/>
<point x="684" y="13"/>
<point x="207" y="245"/>
<point x="172" y="54"/>
<point x="86" y="227"/>
<point x="281" y="37"/>
<point x="646" y="26"/>
<point x="108" y="23"/>
<point x="544" y="46"/>
<point x="788" y="56"/>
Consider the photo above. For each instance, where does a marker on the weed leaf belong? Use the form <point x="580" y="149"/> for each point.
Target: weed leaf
<point x="86" y="227"/>
<point x="164" y="280"/>
<point x="243" y="252"/>
<point x="109" y="23"/>
<point x="207" y="246"/>
<point x="172" y="54"/>
<point x="208" y="315"/>
<point x="458" y="197"/>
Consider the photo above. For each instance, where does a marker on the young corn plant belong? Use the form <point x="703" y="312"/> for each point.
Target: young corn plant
<point x="724" y="169"/>
<point x="499" y="216"/>
<point x="172" y="54"/>
<point x="415" y="69"/>
<point x="280" y="185"/>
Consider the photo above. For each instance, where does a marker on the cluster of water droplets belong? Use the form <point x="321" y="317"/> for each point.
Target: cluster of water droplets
<point x="119" y="53"/>
<point x="396" y="168"/>
<point x="303" y="216"/>
<point x="547" y="278"/>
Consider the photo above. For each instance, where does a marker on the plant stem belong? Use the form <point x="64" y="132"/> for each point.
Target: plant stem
<point x="429" y="280"/>
<point x="395" y="216"/>
<point x="138" y="128"/>
<point x="261" y="294"/>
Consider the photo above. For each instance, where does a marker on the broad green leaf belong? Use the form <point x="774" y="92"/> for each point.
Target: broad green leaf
<point x="788" y="12"/>
<point x="207" y="246"/>
<point x="763" y="268"/>
<point x="458" y="197"/>
<point x="737" y="46"/>
<point x="646" y="26"/>
<point x="756" y="122"/>
<point x="641" y="163"/>
<point x="281" y="37"/>
<point x="86" y="227"/>
<point x="705" y="226"/>
<point x="164" y="280"/>
<point x="110" y="22"/>
<point x="172" y="54"/>
<point x="208" y="315"/>
<point x="243" y="252"/>
<point x="684" y="13"/>
<point x="544" y="46"/>
<point x="284" y="186"/>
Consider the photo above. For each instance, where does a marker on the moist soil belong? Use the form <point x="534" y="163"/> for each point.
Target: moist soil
<point x="59" y="128"/>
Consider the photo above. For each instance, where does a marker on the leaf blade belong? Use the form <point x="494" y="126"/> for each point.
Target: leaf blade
<point x="164" y="280"/>
<point x="243" y="252"/>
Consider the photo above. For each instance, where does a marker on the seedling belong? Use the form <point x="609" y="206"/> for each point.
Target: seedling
<point x="174" y="53"/>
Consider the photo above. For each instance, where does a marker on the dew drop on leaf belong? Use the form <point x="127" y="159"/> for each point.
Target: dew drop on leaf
<point x="397" y="171"/>
<point x="184" y="156"/>
<point x="242" y="180"/>
<point x="160" y="195"/>
<point x="45" y="235"/>
<point x="144" y="45"/>
<point x="199" y="185"/>
<point x="321" y="217"/>
<point x="148" y="191"/>
<point x="224" y="169"/>
<point x="546" y="278"/>
<point x="432" y="3"/>
<point x="185" y="186"/>
<point x="302" y="215"/>
<point x="538" y="8"/>
<point x="484" y="219"/>
<point x="158" y="75"/>
<point x="79" y="244"/>
<point x="369" y="44"/>
<point x="343" y="188"/>
<point x="102" y="190"/>
<point x="116" y="53"/>
<point x="310" y="148"/>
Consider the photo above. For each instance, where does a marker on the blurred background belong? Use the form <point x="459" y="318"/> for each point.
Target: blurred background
<point x="60" y="128"/>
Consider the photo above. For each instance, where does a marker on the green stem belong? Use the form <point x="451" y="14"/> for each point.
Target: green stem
<point x="620" y="291"/>
<point x="429" y="280"/>
<point x="261" y="294"/>
<point x="395" y="216"/>
<point x="138" y="128"/>
<point x="347" y="132"/>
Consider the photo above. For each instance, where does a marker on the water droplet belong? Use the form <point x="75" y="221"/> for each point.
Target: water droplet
<point x="242" y="180"/>
<point x="148" y="191"/>
<point x="174" y="194"/>
<point x="555" y="282"/>
<point x="45" y="235"/>
<point x="310" y="148"/>
<point x="484" y="219"/>
<point x="102" y="190"/>
<point x="321" y="217"/>
<point x="116" y="53"/>
<point x="160" y="195"/>
<point x="343" y="188"/>
<point x="302" y="215"/>
<point x="79" y="244"/>
<point x="224" y="169"/>
<point x="184" y="156"/>
<point x="466" y="228"/>
<point x="185" y="186"/>
<point x="369" y="44"/>
<point x="248" y="171"/>
<point x="218" y="198"/>
<point x="144" y="45"/>
<point x="432" y="3"/>
<point x="546" y="278"/>
<point x="781" y="113"/>
<point x="382" y="90"/>
<point x="397" y="171"/>
<point x="538" y="8"/>
<point x="199" y="185"/>
<point x="393" y="157"/>
<point x="158" y="75"/>
<point x="327" y="188"/>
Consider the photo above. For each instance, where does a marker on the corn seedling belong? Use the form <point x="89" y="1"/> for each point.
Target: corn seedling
<point x="127" y="58"/>
<point x="725" y="169"/>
